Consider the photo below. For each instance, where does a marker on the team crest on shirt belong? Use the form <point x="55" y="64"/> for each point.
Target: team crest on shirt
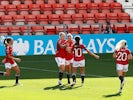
<point x="20" y="46"/>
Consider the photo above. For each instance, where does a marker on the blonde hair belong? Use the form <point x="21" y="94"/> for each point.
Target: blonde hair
<point x="121" y="44"/>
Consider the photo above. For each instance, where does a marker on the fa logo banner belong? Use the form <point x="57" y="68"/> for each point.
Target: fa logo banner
<point x="20" y="47"/>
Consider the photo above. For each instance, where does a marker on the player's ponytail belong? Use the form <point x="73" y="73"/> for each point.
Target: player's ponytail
<point x="121" y="44"/>
<point x="77" y="40"/>
<point x="6" y="41"/>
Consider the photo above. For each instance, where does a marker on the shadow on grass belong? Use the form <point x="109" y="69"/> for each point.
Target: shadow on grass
<point x="112" y="95"/>
<point x="62" y="87"/>
<point x="1" y="87"/>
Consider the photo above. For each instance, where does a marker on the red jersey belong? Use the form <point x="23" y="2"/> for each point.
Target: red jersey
<point x="61" y="50"/>
<point x="78" y="52"/>
<point x="122" y="56"/>
<point x="69" y="56"/>
<point x="9" y="52"/>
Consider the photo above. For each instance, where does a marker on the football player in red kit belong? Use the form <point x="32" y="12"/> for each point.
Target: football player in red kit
<point x="9" y="61"/>
<point x="69" y="55"/>
<point x="60" y="55"/>
<point x="79" y="60"/>
<point x="122" y="56"/>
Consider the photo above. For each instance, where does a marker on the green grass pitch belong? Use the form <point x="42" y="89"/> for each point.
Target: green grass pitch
<point x="39" y="77"/>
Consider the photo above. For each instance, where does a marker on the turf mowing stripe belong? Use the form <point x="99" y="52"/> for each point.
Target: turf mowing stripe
<point x="37" y="69"/>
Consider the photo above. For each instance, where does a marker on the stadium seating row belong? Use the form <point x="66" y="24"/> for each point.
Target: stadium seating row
<point x="17" y="2"/>
<point x="89" y="18"/>
<point x="72" y="28"/>
<point x="36" y="9"/>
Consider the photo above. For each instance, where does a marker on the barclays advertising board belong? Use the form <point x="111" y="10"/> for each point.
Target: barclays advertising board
<point x="42" y="45"/>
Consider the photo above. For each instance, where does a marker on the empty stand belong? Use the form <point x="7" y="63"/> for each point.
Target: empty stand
<point x="11" y="9"/>
<point x="89" y="18"/>
<point x="112" y="17"/>
<point x="4" y="2"/>
<point x="70" y="8"/>
<point x="46" y="9"/>
<point x="34" y="9"/>
<point x="6" y="20"/>
<point x="116" y="7"/>
<point x="81" y="7"/>
<point x="66" y="19"/>
<point x="19" y="19"/>
<point x="2" y="10"/>
<point x="50" y="30"/>
<point x="129" y="28"/>
<point x="60" y="28"/>
<point x="14" y="30"/>
<point x="4" y="30"/>
<point x="93" y="8"/>
<point x="40" y="2"/>
<point x="124" y="17"/>
<point x="104" y="7"/>
<point x="23" y="9"/>
<point x="58" y="8"/>
<point x="100" y="17"/>
<point x="30" y="19"/>
<point x="16" y="2"/>
<point x="42" y="19"/>
<point x="120" y="28"/>
<point x="85" y="29"/>
<point x="73" y="28"/>
<point x="77" y="18"/>
<point x="54" y="19"/>
<point x="37" y="30"/>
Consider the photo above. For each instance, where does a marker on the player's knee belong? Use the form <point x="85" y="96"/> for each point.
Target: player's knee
<point x="7" y="74"/>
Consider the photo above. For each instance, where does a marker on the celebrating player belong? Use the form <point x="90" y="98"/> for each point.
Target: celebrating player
<point x="60" y="55"/>
<point x="9" y="61"/>
<point x="69" y="55"/>
<point x="122" y="55"/>
<point x="79" y="60"/>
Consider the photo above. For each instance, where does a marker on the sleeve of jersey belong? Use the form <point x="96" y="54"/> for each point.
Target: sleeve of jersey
<point x="128" y="52"/>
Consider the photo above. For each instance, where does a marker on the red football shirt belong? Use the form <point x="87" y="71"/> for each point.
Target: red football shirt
<point x="69" y="56"/>
<point x="61" y="50"/>
<point x="122" y="56"/>
<point x="78" y="52"/>
<point x="9" y="52"/>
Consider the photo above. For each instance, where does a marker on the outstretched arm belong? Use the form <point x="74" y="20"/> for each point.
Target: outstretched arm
<point x="92" y="54"/>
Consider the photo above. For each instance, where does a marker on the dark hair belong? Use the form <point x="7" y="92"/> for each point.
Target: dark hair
<point x="6" y="41"/>
<point x="77" y="39"/>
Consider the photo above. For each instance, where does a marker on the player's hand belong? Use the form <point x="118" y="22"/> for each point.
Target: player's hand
<point x="3" y="61"/>
<point x="18" y="59"/>
<point x="97" y="57"/>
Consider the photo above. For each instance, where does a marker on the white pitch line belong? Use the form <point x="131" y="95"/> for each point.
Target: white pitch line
<point x="44" y="70"/>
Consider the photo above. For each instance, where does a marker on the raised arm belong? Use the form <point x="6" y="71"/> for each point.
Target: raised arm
<point x="92" y="54"/>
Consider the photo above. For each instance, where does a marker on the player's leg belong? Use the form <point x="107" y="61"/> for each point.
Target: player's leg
<point x="82" y="73"/>
<point x="17" y="71"/>
<point x="8" y="70"/>
<point x="68" y="71"/>
<point x="61" y="66"/>
<point x="74" y="71"/>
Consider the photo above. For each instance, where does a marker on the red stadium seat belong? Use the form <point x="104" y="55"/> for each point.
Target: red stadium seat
<point x="4" y="31"/>
<point x="86" y="1"/>
<point x="101" y="17"/>
<point x="124" y="17"/>
<point x="37" y="30"/>
<point x="23" y="9"/>
<point x="51" y="1"/>
<point x="116" y="7"/>
<point x="34" y="9"/>
<point x="120" y="28"/>
<point x="58" y="8"/>
<point x="42" y="19"/>
<point x="46" y="9"/>
<point x="89" y="18"/>
<point x="16" y="2"/>
<point x="104" y="7"/>
<point x="70" y="8"/>
<point x="74" y="1"/>
<point x="4" y="2"/>
<point x="11" y="9"/>
<point x="66" y="18"/>
<point x="62" y="1"/>
<point x="50" y="30"/>
<point x="2" y="10"/>
<point x="81" y="7"/>
<point x="130" y="28"/>
<point x="93" y="7"/>
<point x="109" y="1"/>
<point x="77" y="18"/>
<point x="19" y="19"/>
<point x="28" y="1"/>
<point x="60" y="28"/>
<point x="85" y="29"/>
<point x="95" y="29"/>
<point x="14" y="30"/>
<point x="97" y="1"/>
<point x="39" y="1"/>
<point x="112" y="17"/>
<point x="73" y="28"/>
<point x="30" y="19"/>
<point x="54" y="19"/>
<point x="25" y="30"/>
<point x="6" y="19"/>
